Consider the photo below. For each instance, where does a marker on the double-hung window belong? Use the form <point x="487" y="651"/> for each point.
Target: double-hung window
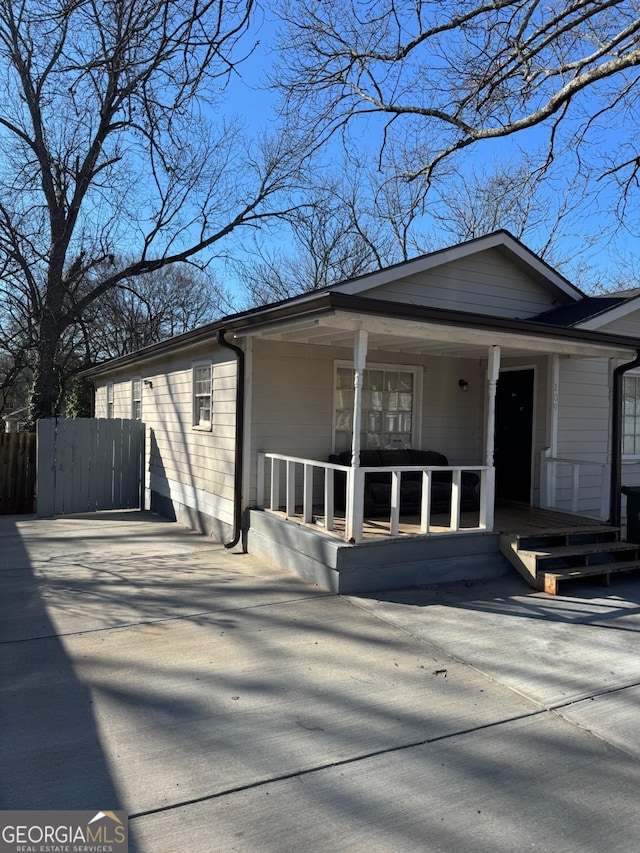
<point x="390" y="406"/>
<point x="202" y="393"/>
<point x="136" y="398"/>
<point x="631" y="422"/>
<point x="110" y="403"/>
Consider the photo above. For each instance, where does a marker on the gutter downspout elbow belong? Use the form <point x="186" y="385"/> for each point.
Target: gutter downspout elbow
<point x="615" y="513"/>
<point x="239" y="442"/>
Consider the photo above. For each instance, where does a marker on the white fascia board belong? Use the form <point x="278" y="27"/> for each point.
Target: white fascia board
<point x="501" y="240"/>
<point x="483" y="337"/>
<point x="610" y="315"/>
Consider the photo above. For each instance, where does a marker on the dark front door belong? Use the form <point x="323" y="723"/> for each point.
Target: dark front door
<point x="514" y="435"/>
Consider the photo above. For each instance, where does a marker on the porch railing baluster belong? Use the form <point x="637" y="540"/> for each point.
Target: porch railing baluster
<point x="328" y="499"/>
<point x="291" y="489"/>
<point x="394" y="523"/>
<point x="566" y="490"/>
<point x="456" y="493"/>
<point x="426" y="502"/>
<point x="307" y="495"/>
<point x="576" y="488"/>
<point x="260" y="477"/>
<point x="355" y="494"/>
<point x="275" y="484"/>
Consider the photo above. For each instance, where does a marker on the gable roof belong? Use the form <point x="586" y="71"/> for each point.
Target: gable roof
<point x="502" y="241"/>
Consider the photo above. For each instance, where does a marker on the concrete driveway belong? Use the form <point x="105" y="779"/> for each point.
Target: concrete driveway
<point x="227" y="706"/>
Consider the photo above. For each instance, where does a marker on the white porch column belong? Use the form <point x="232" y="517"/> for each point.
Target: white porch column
<point x="355" y="483"/>
<point x="488" y="495"/>
<point x="493" y="372"/>
<point x="359" y="363"/>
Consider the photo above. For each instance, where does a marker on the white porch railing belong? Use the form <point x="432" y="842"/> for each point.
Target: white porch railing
<point x="302" y="497"/>
<point x="564" y="493"/>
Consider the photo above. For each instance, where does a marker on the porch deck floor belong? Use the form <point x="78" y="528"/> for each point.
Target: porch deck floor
<point x="517" y="518"/>
<point x="509" y="518"/>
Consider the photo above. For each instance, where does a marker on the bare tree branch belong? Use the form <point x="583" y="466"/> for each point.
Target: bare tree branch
<point x="109" y="150"/>
<point x="454" y="74"/>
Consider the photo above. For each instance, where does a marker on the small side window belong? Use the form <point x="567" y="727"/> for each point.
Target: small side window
<point x="202" y="388"/>
<point x="136" y="398"/>
<point x="110" y="406"/>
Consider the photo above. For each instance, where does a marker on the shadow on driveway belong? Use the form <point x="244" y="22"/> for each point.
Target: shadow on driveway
<point x="51" y="756"/>
<point x="228" y="706"/>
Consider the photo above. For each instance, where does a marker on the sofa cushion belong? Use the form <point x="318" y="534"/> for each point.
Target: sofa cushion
<point x="370" y="459"/>
<point x="427" y="458"/>
<point x="395" y="457"/>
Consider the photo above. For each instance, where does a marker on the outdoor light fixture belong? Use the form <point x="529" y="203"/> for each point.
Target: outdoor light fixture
<point x="463" y="385"/>
<point x="147" y="383"/>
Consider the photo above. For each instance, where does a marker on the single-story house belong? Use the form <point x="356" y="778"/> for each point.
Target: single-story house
<point x="295" y="427"/>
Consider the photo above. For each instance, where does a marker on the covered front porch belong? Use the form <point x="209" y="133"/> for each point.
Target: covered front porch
<point x="505" y="461"/>
<point x="380" y="561"/>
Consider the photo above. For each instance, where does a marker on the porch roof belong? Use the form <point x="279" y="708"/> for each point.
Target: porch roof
<point x="331" y="317"/>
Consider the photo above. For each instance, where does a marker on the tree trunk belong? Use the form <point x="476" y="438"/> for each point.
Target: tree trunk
<point x="45" y="395"/>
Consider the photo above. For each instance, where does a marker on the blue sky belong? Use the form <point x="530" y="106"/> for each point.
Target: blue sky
<point x="248" y="98"/>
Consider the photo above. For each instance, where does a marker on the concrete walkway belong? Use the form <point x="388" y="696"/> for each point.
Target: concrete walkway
<point x="227" y="706"/>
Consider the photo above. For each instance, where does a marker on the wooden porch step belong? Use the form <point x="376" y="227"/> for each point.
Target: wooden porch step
<point x="550" y="557"/>
<point x="552" y="538"/>
<point x="548" y="581"/>
<point x="575" y="556"/>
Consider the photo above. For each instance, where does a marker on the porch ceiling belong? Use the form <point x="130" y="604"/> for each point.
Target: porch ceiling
<point x="337" y="328"/>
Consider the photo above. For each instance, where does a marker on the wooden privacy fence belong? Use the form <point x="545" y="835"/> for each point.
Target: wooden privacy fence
<point x="88" y="464"/>
<point x="17" y="472"/>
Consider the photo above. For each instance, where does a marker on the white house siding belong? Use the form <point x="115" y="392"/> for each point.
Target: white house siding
<point x="628" y="326"/>
<point x="452" y="420"/>
<point x="100" y="401"/>
<point x="583" y="431"/>
<point x="292" y="402"/>
<point x="486" y="283"/>
<point x="189" y="471"/>
<point x="121" y="399"/>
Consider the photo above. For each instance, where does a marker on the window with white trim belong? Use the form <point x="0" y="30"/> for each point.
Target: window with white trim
<point x="136" y="398"/>
<point x="110" y="404"/>
<point x="390" y="396"/>
<point x="202" y="392"/>
<point x="631" y="416"/>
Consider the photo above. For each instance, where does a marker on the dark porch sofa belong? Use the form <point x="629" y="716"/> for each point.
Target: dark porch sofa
<point x="377" y="488"/>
